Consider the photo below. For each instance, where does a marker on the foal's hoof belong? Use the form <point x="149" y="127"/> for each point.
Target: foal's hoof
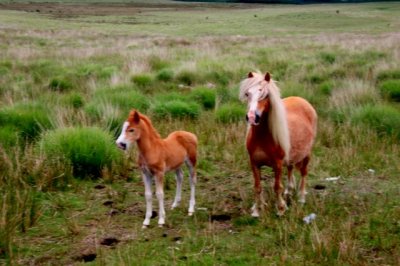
<point x="190" y="213"/>
<point x="144" y="226"/>
<point x="161" y="225"/>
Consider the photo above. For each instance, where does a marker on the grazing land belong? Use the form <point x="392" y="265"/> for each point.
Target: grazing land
<point x="70" y="73"/>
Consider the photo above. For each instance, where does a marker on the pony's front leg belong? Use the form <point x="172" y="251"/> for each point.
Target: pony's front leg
<point x="278" y="188"/>
<point x="148" y="196"/>
<point x="257" y="191"/>
<point x="160" y="196"/>
<point x="179" y="178"/>
<point x="291" y="184"/>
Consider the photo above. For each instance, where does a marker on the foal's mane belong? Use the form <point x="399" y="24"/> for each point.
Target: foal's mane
<point x="147" y="123"/>
<point x="277" y="121"/>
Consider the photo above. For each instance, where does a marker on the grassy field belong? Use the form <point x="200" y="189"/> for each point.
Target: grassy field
<point x="69" y="74"/>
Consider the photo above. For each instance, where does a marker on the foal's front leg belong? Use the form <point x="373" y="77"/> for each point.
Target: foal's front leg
<point x="160" y="196"/>
<point x="148" y="196"/>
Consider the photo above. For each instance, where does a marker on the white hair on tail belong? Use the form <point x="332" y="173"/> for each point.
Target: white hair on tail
<point x="278" y="125"/>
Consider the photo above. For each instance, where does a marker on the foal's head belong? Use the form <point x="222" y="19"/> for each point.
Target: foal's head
<point x="255" y="90"/>
<point x="131" y="131"/>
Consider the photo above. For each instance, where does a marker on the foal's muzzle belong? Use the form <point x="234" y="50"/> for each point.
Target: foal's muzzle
<point x="121" y="145"/>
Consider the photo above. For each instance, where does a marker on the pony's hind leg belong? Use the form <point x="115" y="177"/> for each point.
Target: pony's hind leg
<point x="191" y="163"/>
<point x="179" y="178"/>
<point x="148" y="196"/>
<point x="304" y="171"/>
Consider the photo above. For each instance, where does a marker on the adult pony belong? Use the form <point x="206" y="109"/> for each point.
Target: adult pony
<point x="281" y="133"/>
<point x="158" y="156"/>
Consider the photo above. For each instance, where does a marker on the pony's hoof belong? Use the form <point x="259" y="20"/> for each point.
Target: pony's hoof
<point x="161" y="225"/>
<point x="302" y="201"/>
<point x="144" y="226"/>
<point x="190" y="213"/>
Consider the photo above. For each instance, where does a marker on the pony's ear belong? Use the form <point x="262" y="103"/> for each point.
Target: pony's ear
<point x="250" y="75"/>
<point x="267" y="76"/>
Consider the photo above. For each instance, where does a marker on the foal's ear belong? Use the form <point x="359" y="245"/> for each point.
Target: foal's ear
<point x="136" y="117"/>
<point x="250" y="75"/>
<point x="267" y="76"/>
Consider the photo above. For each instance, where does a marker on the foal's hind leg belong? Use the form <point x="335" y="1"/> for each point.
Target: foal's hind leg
<point x="303" y="170"/>
<point x="193" y="180"/>
<point x="179" y="178"/>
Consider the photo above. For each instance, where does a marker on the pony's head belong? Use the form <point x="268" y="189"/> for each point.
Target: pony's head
<point x="131" y="130"/>
<point x="256" y="91"/>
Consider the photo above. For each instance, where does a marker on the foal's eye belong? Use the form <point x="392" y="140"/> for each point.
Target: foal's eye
<point x="246" y="94"/>
<point x="131" y="130"/>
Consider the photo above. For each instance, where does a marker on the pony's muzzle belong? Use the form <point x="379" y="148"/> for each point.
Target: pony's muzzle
<point x="121" y="145"/>
<point x="253" y="118"/>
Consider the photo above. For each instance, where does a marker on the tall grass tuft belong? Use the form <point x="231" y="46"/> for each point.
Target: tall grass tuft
<point x="165" y="75"/>
<point x="204" y="96"/>
<point x="391" y="89"/>
<point x="142" y="80"/>
<point x="230" y="112"/>
<point x="388" y="74"/>
<point x="385" y="119"/>
<point x="28" y="119"/>
<point x="176" y="109"/>
<point x="87" y="150"/>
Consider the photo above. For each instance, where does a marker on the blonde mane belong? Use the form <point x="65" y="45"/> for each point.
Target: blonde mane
<point x="277" y="121"/>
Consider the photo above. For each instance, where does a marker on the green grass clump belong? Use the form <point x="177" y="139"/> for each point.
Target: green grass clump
<point x="328" y="58"/>
<point x="87" y="150"/>
<point x="385" y="119"/>
<point x="204" y="96"/>
<point x="28" y="119"/>
<point x="230" y="112"/>
<point x="8" y="136"/>
<point x="326" y="87"/>
<point x="165" y="75"/>
<point x="176" y="109"/>
<point x="391" y="89"/>
<point x="122" y="97"/>
<point x="187" y="77"/>
<point x="156" y="63"/>
<point x="74" y="100"/>
<point x="96" y="70"/>
<point x="61" y="84"/>
<point x="143" y="80"/>
<point x="388" y="74"/>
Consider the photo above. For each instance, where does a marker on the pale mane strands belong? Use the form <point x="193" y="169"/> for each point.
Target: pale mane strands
<point x="277" y="119"/>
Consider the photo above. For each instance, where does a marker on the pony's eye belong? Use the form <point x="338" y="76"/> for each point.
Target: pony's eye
<point x="246" y="94"/>
<point x="131" y="130"/>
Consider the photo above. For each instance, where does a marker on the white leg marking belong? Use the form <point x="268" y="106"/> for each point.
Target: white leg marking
<point x="255" y="212"/>
<point x="291" y="185"/>
<point x="179" y="178"/>
<point x="193" y="181"/>
<point x="160" y="197"/>
<point x="148" y="195"/>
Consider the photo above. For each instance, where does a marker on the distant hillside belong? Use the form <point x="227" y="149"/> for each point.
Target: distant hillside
<point x="290" y="1"/>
